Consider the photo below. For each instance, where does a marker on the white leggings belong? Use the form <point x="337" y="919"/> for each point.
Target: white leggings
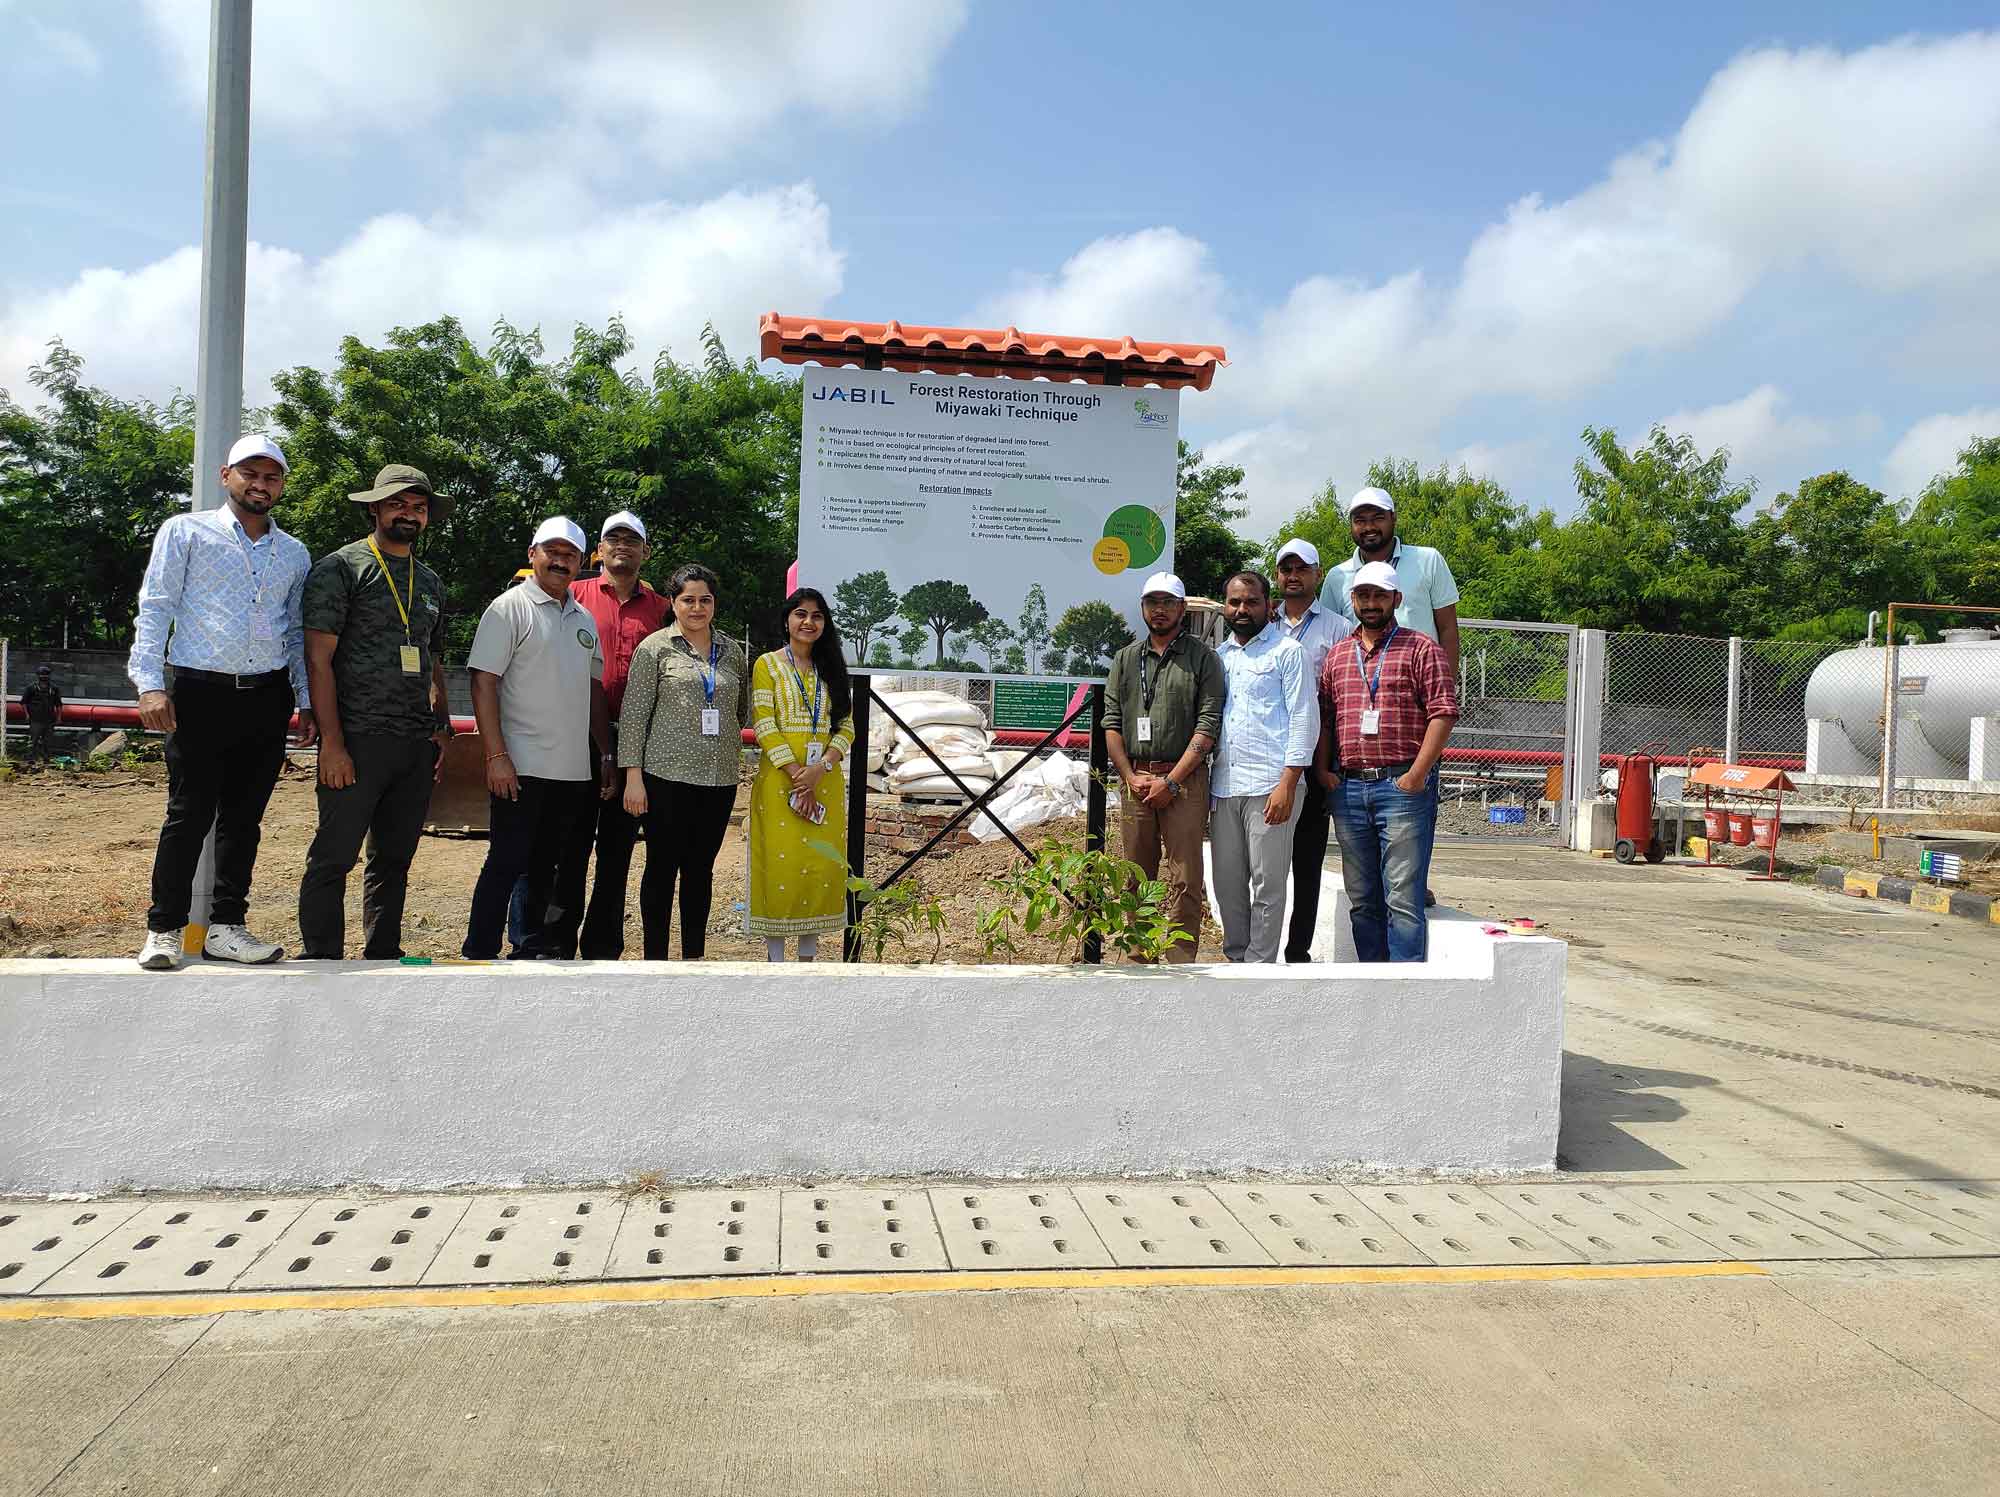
<point x="774" y="948"/>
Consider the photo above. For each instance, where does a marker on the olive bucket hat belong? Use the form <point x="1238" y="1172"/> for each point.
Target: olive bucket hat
<point x="396" y="478"/>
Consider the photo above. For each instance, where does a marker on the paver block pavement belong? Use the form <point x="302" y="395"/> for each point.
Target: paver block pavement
<point x="1168" y="1226"/>
<point x="697" y="1234"/>
<point x="350" y="1244"/>
<point x="1459" y="1224"/>
<point x="38" y="1240"/>
<point x="521" y="1239"/>
<point x="847" y="1231"/>
<point x="1324" y="1224"/>
<point x="178" y="1246"/>
<point x="1885" y="1226"/>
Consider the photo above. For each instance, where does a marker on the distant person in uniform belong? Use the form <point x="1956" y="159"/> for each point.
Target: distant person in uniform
<point x="1317" y="628"/>
<point x="374" y="620"/>
<point x="43" y="705"/>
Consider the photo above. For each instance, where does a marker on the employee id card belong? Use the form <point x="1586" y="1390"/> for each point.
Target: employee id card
<point x="1144" y="733"/>
<point x="711" y="721"/>
<point x="260" y="624"/>
<point x="813" y="752"/>
<point x="413" y="661"/>
<point x="1371" y="721"/>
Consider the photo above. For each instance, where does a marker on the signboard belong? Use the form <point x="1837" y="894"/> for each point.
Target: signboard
<point x="996" y="525"/>
<point x="1041" y="705"/>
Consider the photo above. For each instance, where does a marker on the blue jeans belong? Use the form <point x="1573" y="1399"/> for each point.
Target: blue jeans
<point x="1386" y="836"/>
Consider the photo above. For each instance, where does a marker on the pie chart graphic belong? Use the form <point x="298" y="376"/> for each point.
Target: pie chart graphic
<point x="1142" y="531"/>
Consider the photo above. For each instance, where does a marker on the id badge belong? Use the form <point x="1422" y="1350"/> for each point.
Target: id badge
<point x="814" y="752"/>
<point x="260" y="624"/>
<point x="711" y="721"/>
<point x="413" y="661"/>
<point x="1371" y="721"/>
<point x="1145" y="731"/>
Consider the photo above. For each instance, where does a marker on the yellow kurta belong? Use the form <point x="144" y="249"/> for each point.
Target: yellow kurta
<point x="798" y="871"/>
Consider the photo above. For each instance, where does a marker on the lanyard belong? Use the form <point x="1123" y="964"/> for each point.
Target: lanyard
<point x="1298" y="630"/>
<point x="708" y="677"/>
<point x="817" y="683"/>
<point x="1148" y="684"/>
<point x="390" y="582"/>
<point x="1361" y="663"/>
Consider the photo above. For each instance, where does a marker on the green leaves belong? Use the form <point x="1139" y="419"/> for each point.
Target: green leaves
<point x="902" y="913"/>
<point x="1069" y="893"/>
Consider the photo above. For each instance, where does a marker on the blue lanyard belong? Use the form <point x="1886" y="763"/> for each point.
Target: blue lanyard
<point x="817" y="683"/>
<point x="708" y="676"/>
<point x="1298" y="630"/>
<point x="1361" y="663"/>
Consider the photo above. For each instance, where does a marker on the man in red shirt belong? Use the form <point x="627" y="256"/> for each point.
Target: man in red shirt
<point x="625" y="610"/>
<point x="1387" y="705"/>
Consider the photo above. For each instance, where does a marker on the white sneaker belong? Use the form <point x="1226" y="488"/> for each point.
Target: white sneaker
<point x="233" y="943"/>
<point x="162" y="951"/>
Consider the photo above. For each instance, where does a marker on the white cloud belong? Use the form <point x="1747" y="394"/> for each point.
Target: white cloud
<point x="1759" y="433"/>
<point x="67" y="49"/>
<point x="665" y="267"/>
<point x="682" y="79"/>
<point x="1931" y="447"/>
<point x="1118" y="286"/>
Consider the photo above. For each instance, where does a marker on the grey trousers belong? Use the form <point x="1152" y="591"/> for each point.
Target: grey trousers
<point x="1252" y="862"/>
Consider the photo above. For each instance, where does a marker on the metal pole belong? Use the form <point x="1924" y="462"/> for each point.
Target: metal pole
<point x="857" y="815"/>
<point x="3" y="701"/>
<point x="1732" y="724"/>
<point x="1093" y="821"/>
<point x="1891" y="665"/>
<point x="225" y="248"/>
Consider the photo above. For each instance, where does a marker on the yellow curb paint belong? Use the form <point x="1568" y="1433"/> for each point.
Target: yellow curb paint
<point x="1863" y="883"/>
<point x="663" y="1291"/>
<point x="1993" y="912"/>
<point x="1937" y="901"/>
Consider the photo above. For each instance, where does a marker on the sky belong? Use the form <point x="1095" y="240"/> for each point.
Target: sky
<point x="1433" y="233"/>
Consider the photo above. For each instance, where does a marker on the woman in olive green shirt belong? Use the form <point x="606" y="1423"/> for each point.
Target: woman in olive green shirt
<point x="680" y="740"/>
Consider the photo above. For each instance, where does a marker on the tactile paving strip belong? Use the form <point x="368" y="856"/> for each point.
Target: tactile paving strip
<point x="1738" y="1225"/>
<point x="358" y="1244"/>
<point x="1163" y="1226"/>
<point x="988" y="1227"/>
<point x="1602" y="1226"/>
<point x="1973" y="1205"/>
<point x="1874" y="1221"/>
<point x="850" y="1231"/>
<point x="1316" y="1224"/>
<point x="36" y="1241"/>
<point x="697" y="1234"/>
<point x="520" y="1239"/>
<point x="1459" y="1224"/>
<point x="178" y="1245"/>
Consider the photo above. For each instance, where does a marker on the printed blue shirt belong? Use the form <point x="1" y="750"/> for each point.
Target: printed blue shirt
<point x="204" y="589"/>
<point x="1270" y="719"/>
<point x="1319" y="631"/>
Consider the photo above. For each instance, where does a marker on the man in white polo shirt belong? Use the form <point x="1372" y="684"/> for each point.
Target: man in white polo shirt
<point x="538" y="693"/>
<point x="1317" y="629"/>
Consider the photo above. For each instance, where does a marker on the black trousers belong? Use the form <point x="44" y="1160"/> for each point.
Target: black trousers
<point x="1308" y="856"/>
<point x="41" y="741"/>
<point x="612" y="831"/>
<point x="685" y="825"/>
<point x="385" y="806"/>
<point x="524" y="836"/>
<point x="223" y="759"/>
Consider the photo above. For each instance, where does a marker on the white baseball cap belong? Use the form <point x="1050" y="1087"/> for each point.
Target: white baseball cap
<point x="559" y="528"/>
<point x="1305" y="551"/>
<point x="623" y="520"/>
<point x="258" y="445"/>
<point x="1164" y="582"/>
<point x="1380" y="498"/>
<point x="1375" y="574"/>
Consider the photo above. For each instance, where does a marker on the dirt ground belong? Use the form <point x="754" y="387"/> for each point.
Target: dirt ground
<point x="76" y="858"/>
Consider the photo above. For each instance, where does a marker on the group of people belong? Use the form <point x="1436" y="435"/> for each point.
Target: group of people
<point x="602" y="705"/>
<point x="1330" y="702"/>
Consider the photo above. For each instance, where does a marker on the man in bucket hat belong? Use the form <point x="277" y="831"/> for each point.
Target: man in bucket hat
<point x="374" y="622"/>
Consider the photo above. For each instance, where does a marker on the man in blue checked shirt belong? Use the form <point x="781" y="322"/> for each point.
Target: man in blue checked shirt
<point x="1270" y="726"/>
<point x="220" y="604"/>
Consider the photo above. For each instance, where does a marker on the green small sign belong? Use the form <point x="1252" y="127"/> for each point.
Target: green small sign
<point x="1030" y="704"/>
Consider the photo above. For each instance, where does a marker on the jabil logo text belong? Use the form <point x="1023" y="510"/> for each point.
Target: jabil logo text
<point x="859" y="395"/>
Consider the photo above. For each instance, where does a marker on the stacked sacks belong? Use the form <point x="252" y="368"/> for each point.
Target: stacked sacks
<point x="954" y="729"/>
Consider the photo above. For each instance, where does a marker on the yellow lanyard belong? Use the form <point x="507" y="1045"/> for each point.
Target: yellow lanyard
<point x="391" y="581"/>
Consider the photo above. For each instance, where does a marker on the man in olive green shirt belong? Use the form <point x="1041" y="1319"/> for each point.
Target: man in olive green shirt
<point x="1162" y="715"/>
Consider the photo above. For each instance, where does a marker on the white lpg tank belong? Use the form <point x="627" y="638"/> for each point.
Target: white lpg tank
<point x="1944" y="687"/>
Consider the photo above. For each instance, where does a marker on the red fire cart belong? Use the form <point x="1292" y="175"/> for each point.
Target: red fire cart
<point x="1747" y="789"/>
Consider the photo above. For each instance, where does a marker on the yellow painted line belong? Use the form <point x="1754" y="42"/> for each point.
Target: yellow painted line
<point x="662" y="1291"/>
<point x="1863" y="883"/>
<point x="1937" y="901"/>
<point x="1993" y="912"/>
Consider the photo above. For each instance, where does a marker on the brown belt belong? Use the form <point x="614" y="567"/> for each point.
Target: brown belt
<point x="1156" y="766"/>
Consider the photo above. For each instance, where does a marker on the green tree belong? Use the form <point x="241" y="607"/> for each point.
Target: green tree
<point x="991" y="635"/>
<point x="912" y="642"/>
<point x="1819" y="557"/>
<point x="861" y="605"/>
<point x="1091" y="633"/>
<point x="1319" y="521"/>
<point x="1015" y="661"/>
<point x="1032" y="628"/>
<point x="944" y="607"/>
<point x="1208" y="501"/>
<point x="1956" y="521"/>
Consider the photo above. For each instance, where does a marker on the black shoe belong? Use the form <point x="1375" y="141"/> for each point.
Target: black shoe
<point x="1430" y="900"/>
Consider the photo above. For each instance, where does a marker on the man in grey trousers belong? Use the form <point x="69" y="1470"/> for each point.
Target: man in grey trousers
<point x="1270" y="726"/>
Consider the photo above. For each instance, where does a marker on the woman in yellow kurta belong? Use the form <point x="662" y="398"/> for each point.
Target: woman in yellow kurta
<point x="801" y="703"/>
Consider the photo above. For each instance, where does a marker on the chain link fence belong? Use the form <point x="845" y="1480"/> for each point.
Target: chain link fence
<point x="1502" y="770"/>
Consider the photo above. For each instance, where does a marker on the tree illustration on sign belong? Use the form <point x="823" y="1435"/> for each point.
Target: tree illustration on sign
<point x="991" y="635"/>
<point x="861" y="605"/>
<point x="944" y="607"/>
<point x="1092" y="633"/>
<point x="1032" y="628"/>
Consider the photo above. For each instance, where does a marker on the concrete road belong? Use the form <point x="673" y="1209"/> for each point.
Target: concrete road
<point x="1719" y="1030"/>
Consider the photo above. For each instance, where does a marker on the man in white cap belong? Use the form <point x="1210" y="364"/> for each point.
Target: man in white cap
<point x="538" y="694"/>
<point x="1317" y="629"/>
<point x="220" y="604"/>
<point x="1387" y="704"/>
<point x="625" y="610"/>
<point x="1162" y="714"/>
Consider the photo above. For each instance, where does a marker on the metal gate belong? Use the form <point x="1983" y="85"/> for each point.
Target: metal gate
<point x="1509" y="770"/>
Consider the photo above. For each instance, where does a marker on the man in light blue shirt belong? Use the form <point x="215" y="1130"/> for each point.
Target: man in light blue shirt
<point x="1318" y="629"/>
<point x="1270" y="726"/>
<point x="1430" y="594"/>
<point x="220" y="604"/>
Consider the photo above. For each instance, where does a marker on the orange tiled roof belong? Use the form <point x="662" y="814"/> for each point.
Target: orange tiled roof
<point x="993" y="351"/>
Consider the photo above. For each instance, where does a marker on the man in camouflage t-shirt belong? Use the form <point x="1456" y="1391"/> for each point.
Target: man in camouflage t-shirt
<point x="374" y="622"/>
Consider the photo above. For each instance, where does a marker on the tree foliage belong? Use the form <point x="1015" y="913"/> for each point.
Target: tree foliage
<point x="944" y="607"/>
<point x="861" y="605"/>
<point x="1091" y="633"/>
<point x="1208" y="503"/>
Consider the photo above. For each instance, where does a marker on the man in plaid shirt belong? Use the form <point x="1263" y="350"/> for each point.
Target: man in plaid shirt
<point x="1387" y="705"/>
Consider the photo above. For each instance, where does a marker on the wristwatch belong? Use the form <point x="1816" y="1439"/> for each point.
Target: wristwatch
<point x="1174" y="786"/>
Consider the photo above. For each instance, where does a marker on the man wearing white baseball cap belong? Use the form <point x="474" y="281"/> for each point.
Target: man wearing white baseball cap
<point x="1162" y="714"/>
<point x="625" y="611"/>
<point x="538" y="693"/>
<point x="220" y="604"/>
<point x="1317" y="628"/>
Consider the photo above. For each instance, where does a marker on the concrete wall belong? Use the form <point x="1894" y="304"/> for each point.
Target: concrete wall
<point x="419" y="1077"/>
